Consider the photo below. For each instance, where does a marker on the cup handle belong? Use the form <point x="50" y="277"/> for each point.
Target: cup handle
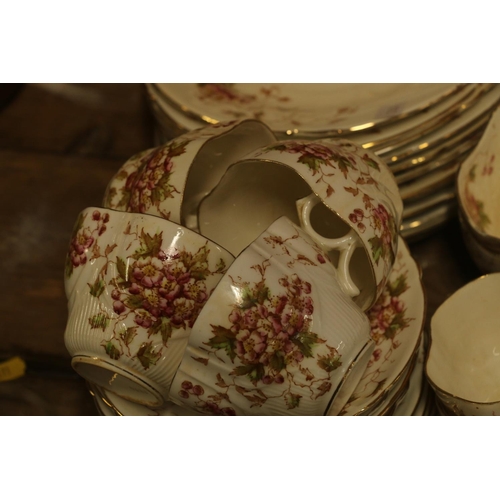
<point x="345" y="244"/>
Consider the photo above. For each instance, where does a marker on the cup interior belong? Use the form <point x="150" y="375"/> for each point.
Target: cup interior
<point x="212" y="161"/>
<point x="464" y="357"/>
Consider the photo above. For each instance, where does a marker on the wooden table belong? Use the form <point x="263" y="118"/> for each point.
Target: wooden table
<point x="59" y="146"/>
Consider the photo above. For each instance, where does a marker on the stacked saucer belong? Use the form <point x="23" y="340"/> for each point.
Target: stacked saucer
<point x="422" y="131"/>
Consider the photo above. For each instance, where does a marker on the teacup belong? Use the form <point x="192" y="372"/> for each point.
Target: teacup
<point x="344" y="197"/>
<point x="278" y="336"/>
<point x="135" y="285"/>
<point x="170" y="181"/>
<point x="478" y="188"/>
<point x="463" y="363"/>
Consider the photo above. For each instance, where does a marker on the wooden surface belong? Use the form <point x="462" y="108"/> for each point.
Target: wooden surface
<point x="59" y="146"/>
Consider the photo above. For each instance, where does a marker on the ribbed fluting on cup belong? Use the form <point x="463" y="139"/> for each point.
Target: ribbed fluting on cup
<point x="83" y="340"/>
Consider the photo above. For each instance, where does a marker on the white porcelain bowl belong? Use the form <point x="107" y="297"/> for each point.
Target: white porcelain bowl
<point x="170" y="181"/>
<point x="463" y="364"/>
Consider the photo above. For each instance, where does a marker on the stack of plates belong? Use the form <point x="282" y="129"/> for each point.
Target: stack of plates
<point x="422" y="131"/>
<point x="393" y="382"/>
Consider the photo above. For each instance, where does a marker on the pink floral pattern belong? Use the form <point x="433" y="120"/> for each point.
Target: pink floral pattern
<point x="84" y="239"/>
<point x="267" y="337"/>
<point x="149" y="182"/>
<point x="161" y="291"/>
<point x="475" y="208"/>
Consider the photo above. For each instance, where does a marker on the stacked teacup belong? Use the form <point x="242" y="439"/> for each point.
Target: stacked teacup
<point x="230" y="273"/>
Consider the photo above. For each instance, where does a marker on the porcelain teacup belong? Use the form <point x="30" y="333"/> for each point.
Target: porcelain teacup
<point x="343" y="196"/>
<point x="278" y="336"/>
<point x="171" y="180"/>
<point x="463" y="363"/>
<point x="135" y="285"/>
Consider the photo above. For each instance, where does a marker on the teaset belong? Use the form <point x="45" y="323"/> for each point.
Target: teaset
<point x="231" y="273"/>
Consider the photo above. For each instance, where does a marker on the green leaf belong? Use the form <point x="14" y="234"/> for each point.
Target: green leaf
<point x="112" y="351"/>
<point x="147" y="355"/>
<point x="262" y="293"/>
<point x="162" y="190"/>
<point x="329" y="363"/>
<point x="221" y="266"/>
<point x="150" y="245"/>
<point x="344" y="165"/>
<point x="398" y="286"/>
<point x="134" y="302"/>
<point x="163" y="327"/>
<point x="292" y="400"/>
<point x="177" y="149"/>
<point x="247" y="299"/>
<point x="128" y="335"/>
<point x="99" y="320"/>
<point x="254" y="372"/>
<point x="97" y="288"/>
<point x="377" y="249"/>
<point x="312" y="162"/>
<point x="277" y="361"/>
<point x="122" y="268"/>
<point x="371" y="163"/>
<point x="223" y="339"/>
<point x="197" y="264"/>
<point x="305" y="342"/>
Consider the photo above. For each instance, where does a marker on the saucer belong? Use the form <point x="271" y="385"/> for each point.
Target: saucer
<point x="397" y="321"/>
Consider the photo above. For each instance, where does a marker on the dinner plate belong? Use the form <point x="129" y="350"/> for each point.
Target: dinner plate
<point x="423" y="205"/>
<point x="291" y="108"/>
<point x="473" y="113"/>
<point x="397" y="321"/>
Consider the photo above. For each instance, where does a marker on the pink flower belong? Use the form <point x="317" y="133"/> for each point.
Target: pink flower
<point x="249" y="345"/>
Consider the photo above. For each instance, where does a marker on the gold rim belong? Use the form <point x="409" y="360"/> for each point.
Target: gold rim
<point x="472" y="95"/>
<point x="428" y="142"/>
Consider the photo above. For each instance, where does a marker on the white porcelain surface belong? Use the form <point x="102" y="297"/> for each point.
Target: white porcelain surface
<point x="463" y="364"/>
<point x="170" y="181"/>
<point x="277" y="336"/>
<point x="135" y="284"/>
